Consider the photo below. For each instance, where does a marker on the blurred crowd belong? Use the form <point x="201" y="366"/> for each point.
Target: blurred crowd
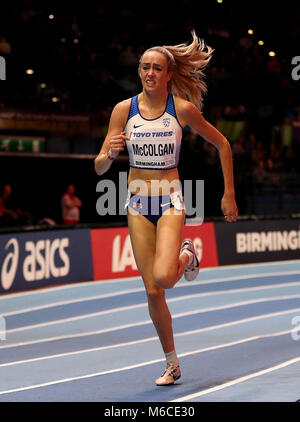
<point x="83" y="59"/>
<point x="15" y="211"/>
<point x="87" y="57"/>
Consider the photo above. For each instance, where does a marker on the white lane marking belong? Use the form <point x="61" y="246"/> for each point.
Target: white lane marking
<point x="79" y="377"/>
<point x="71" y="301"/>
<point x="77" y="284"/>
<point x="240" y="321"/>
<point x="220" y="346"/>
<point x="142" y="289"/>
<point x="69" y="336"/>
<point x="237" y="304"/>
<point x="49" y="289"/>
<point x="238" y="380"/>
<point x="184" y="333"/>
<point x="145" y="304"/>
<point x="145" y="322"/>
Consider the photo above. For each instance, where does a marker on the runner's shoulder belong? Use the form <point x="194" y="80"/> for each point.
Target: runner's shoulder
<point x="123" y="106"/>
<point x="120" y="113"/>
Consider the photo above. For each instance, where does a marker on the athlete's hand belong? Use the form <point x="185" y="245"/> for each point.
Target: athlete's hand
<point x="229" y="208"/>
<point x="117" y="143"/>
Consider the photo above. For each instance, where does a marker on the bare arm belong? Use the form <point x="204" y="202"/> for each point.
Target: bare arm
<point x="77" y="202"/>
<point x="115" y="139"/>
<point x="71" y="202"/>
<point x="191" y="116"/>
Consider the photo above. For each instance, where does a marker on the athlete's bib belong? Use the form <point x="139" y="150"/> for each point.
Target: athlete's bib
<point x="152" y="147"/>
<point x="154" y="143"/>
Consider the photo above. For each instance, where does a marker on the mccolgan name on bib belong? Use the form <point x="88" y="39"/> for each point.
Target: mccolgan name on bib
<point x="153" y="150"/>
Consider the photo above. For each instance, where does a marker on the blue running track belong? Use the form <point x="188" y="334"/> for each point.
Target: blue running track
<point x="237" y="334"/>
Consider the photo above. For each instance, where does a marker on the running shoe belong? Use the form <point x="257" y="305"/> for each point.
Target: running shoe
<point x="191" y="270"/>
<point x="171" y="374"/>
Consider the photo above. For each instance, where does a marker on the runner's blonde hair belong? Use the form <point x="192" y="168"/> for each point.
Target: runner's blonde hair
<point x="187" y="62"/>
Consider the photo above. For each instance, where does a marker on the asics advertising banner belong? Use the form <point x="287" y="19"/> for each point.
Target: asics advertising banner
<point x="38" y="259"/>
<point x="113" y="256"/>
<point x="258" y="241"/>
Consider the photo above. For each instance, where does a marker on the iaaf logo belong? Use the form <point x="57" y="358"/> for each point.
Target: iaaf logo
<point x="39" y="262"/>
<point x="122" y="256"/>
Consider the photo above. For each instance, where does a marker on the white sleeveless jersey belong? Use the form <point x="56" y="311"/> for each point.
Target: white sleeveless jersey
<point x="154" y="143"/>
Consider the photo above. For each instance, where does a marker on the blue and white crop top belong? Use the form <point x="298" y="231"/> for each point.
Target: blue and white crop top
<point x="154" y="143"/>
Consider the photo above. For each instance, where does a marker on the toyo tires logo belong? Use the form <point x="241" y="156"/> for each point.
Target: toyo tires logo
<point x="39" y="260"/>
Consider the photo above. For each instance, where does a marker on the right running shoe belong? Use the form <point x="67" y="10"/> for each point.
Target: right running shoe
<point x="191" y="270"/>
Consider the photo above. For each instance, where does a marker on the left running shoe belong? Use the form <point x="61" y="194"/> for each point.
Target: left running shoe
<point x="171" y="374"/>
<point x="191" y="270"/>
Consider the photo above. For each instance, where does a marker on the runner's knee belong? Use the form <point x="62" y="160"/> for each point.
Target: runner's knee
<point x="164" y="276"/>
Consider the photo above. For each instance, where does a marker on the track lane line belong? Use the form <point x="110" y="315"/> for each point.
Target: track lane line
<point x="155" y="338"/>
<point x="71" y="301"/>
<point x="230" y="344"/>
<point x="134" y="290"/>
<point x="106" y="330"/>
<point x="49" y="289"/>
<point x="144" y="304"/>
<point x="237" y="381"/>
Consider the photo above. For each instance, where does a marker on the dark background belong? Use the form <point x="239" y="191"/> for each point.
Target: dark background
<point x="87" y="56"/>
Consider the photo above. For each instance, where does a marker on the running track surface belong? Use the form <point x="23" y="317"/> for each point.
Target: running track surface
<point x="237" y="334"/>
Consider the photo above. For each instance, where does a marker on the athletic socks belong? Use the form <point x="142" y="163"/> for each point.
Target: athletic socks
<point x="172" y="371"/>
<point x="172" y="358"/>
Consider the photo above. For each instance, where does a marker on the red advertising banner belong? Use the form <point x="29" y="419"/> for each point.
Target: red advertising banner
<point x="204" y="239"/>
<point x="112" y="254"/>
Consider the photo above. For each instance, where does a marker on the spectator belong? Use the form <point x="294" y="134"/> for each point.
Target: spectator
<point x="128" y="59"/>
<point x="210" y="154"/>
<point x="259" y="175"/>
<point x="275" y="155"/>
<point x="238" y="148"/>
<point x="5" y="47"/>
<point x="258" y="153"/>
<point x="70" y="205"/>
<point x="11" y="213"/>
<point x="115" y="45"/>
<point x="274" y="66"/>
<point x="250" y="144"/>
<point x="273" y="176"/>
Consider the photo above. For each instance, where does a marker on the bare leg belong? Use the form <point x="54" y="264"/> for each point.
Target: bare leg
<point x="168" y="265"/>
<point x="143" y="239"/>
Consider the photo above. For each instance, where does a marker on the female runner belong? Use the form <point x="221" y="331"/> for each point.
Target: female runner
<point x="151" y="124"/>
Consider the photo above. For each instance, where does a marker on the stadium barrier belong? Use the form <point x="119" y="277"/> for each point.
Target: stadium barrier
<point x="44" y="258"/>
<point x="258" y="241"/>
<point x="40" y="258"/>
<point x="113" y="256"/>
